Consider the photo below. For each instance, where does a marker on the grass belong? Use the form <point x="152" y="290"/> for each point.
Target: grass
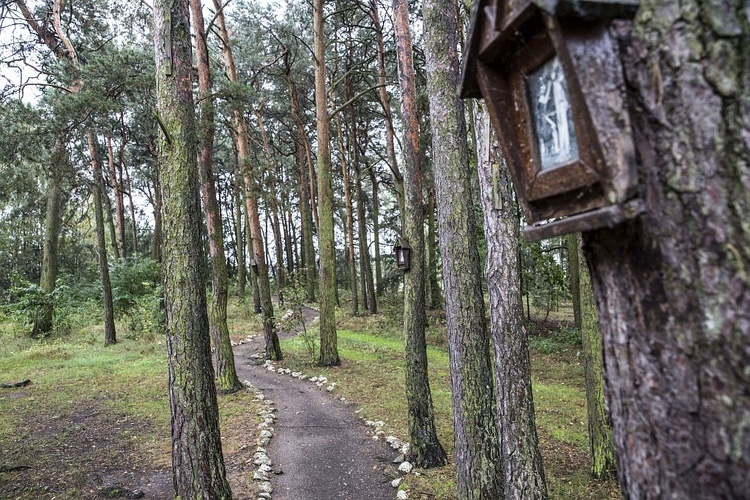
<point x="91" y="408"/>
<point x="96" y="414"/>
<point x="371" y="376"/>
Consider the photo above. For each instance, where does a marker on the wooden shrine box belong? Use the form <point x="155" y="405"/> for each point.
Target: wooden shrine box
<point x="550" y="73"/>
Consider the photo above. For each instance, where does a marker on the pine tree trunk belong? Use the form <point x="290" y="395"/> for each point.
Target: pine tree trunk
<point x="111" y="224"/>
<point x="239" y="235"/>
<point x="365" y="267"/>
<point x="519" y="445"/>
<point x="52" y="226"/>
<point x="601" y="446"/>
<point x="426" y="450"/>
<point x="572" y="246"/>
<point x="197" y="462"/>
<point x="329" y="354"/>
<point x="671" y="287"/>
<point x="435" y="300"/>
<point x="133" y="226"/>
<point x="226" y="375"/>
<point x="110" y="336"/>
<point x="376" y="231"/>
<point x="349" y="220"/>
<point x="117" y="190"/>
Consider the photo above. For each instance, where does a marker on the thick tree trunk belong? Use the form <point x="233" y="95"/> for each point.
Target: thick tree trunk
<point x="52" y="226"/>
<point x="426" y="450"/>
<point x="329" y="354"/>
<point x="197" y="462"/>
<point x="226" y="375"/>
<point x="110" y="336"/>
<point x="671" y="287"/>
<point x="474" y="412"/>
<point x="601" y="446"/>
<point x="519" y="445"/>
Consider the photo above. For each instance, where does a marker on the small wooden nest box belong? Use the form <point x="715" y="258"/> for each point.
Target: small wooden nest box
<point x="550" y="73"/>
<point x="403" y="254"/>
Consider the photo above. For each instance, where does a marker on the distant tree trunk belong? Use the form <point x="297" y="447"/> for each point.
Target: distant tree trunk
<point x="240" y="239"/>
<point x="519" y="445"/>
<point x="52" y="226"/>
<point x="329" y="354"/>
<point x="111" y="224"/>
<point x="303" y="171"/>
<point x="398" y="180"/>
<point x="671" y="287"/>
<point x="226" y="375"/>
<point x="272" y="195"/>
<point x="426" y="450"/>
<point x="110" y="336"/>
<point x="254" y="288"/>
<point x="133" y="226"/>
<point x="365" y="268"/>
<point x="601" y="446"/>
<point x="197" y="461"/>
<point x="256" y="246"/>
<point x="435" y="297"/>
<point x="349" y="220"/>
<point x="118" y="191"/>
<point x="572" y="245"/>
<point x="376" y="231"/>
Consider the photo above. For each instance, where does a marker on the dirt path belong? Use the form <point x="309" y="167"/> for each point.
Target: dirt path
<point x="320" y="446"/>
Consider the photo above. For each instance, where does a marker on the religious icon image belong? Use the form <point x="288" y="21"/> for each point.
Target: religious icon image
<point x="553" y="122"/>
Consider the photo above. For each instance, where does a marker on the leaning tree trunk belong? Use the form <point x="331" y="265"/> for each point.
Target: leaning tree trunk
<point x="601" y="446"/>
<point x="426" y="450"/>
<point x="197" y="461"/>
<point x="519" y="445"/>
<point x="329" y="354"/>
<point x="226" y="374"/>
<point x="474" y="412"/>
<point x="110" y="336"/>
<point x="672" y="287"/>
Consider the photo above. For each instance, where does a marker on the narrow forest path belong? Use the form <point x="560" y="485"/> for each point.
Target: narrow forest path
<point x="321" y="448"/>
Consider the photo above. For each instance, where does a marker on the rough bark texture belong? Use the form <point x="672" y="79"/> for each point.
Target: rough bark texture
<point x="434" y="294"/>
<point x="197" y="462"/>
<point x="601" y="446"/>
<point x="519" y="445"/>
<point x="110" y="336"/>
<point x="329" y="354"/>
<point x="474" y="411"/>
<point x="52" y="227"/>
<point x="226" y="375"/>
<point x="672" y="287"/>
<point x="426" y="450"/>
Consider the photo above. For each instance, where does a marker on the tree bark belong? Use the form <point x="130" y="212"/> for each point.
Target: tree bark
<point x="519" y="446"/>
<point x="349" y="221"/>
<point x="118" y="191"/>
<point x="226" y="375"/>
<point x="52" y="226"/>
<point x="376" y="231"/>
<point x="240" y="237"/>
<point x="197" y="461"/>
<point x="572" y="246"/>
<point x="110" y="336"/>
<point x="601" y="446"/>
<point x="426" y="450"/>
<point x="671" y="287"/>
<point x="329" y="354"/>
<point x="256" y="246"/>
<point x="435" y="296"/>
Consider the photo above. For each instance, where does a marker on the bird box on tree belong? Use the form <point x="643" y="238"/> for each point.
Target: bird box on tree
<point x="550" y="73"/>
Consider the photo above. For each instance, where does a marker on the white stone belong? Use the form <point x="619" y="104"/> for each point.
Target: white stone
<point x="330" y="388"/>
<point x="314" y="379"/>
<point x="265" y="468"/>
<point x="405" y="448"/>
<point x="260" y="476"/>
<point x="396" y="482"/>
<point x="266" y="486"/>
<point x="405" y="467"/>
<point x="402" y="495"/>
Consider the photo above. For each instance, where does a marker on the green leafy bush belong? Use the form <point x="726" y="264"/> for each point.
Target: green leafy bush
<point x="137" y="296"/>
<point x="26" y="302"/>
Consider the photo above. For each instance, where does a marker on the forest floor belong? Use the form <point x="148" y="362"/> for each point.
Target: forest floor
<point x="94" y="422"/>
